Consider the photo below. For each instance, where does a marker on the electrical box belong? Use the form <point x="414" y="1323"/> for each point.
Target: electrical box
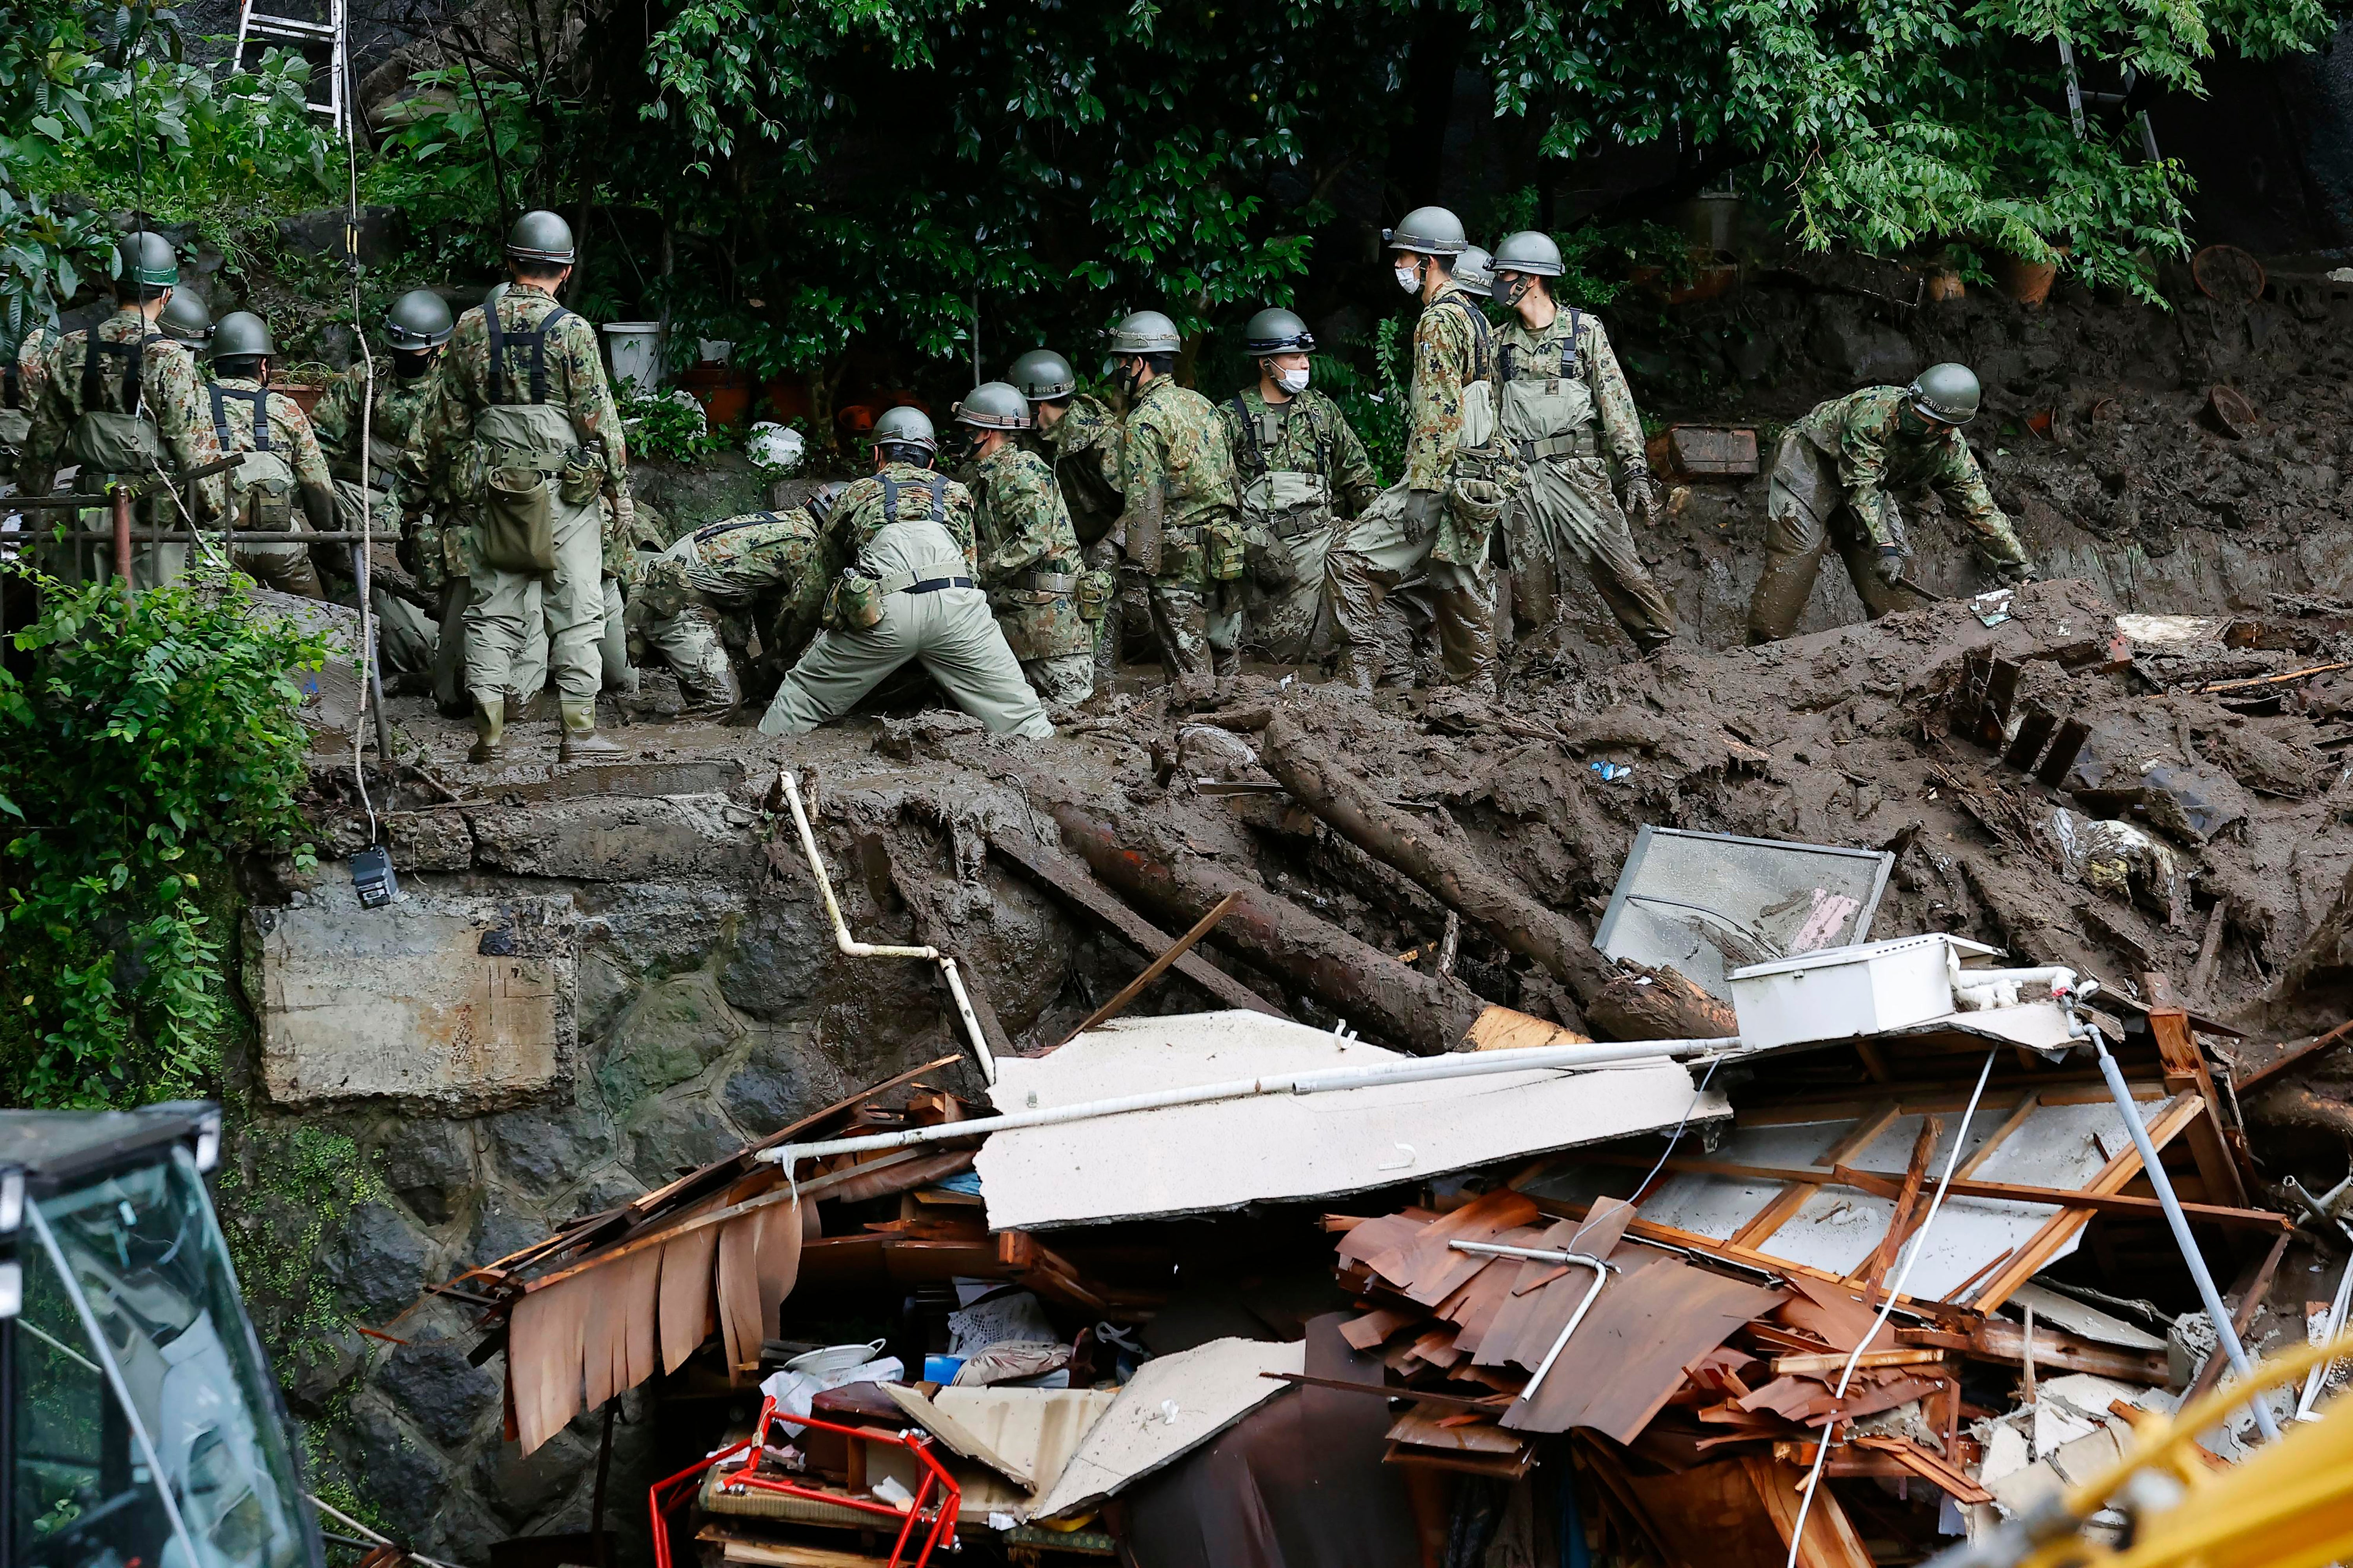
<point x="1842" y="992"/>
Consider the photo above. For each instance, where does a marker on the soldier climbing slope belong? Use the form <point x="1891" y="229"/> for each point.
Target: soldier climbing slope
<point x="1029" y="562"/>
<point x="523" y="421"/>
<point x="1080" y="434"/>
<point x="909" y="593"/>
<point x="1437" y="520"/>
<point x="284" y="472"/>
<point x="1302" y="469"/>
<point x="735" y="564"/>
<point x="126" y="403"/>
<point x="1565" y="415"/>
<point x="1831" y="489"/>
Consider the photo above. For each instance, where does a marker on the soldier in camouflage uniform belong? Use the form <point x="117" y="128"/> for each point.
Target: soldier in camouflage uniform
<point x="522" y="408"/>
<point x="735" y="563"/>
<point x="911" y="594"/>
<point x="1079" y="434"/>
<point x="1029" y="561"/>
<point x="1566" y="415"/>
<point x="1436" y="521"/>
<point x="287" y="474"/>
<point x="1301" y="470"/>
<point x="24" y="375"/>
<point x="415" y="327"/>
<point x="1831" y="485"/>
<point x="126" y="403"/>
<point x="1180" y="525"/>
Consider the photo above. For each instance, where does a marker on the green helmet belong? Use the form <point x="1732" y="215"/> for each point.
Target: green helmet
<point x="241" y="334"/>
<point x="1144" y="333"/>
<point x="146" y="259"/>
<point x="418" y="319"/>
<point x="185" y="320"/>
<point x="907" y="427"/>
<point x="1947" y="393"/>
<point x="1530" y="251"/>
<point x="1429" y="231"/>
<point x="540" y="237"/>
<point x="994" y="406"/>
<point x="1043" y="376"/>
<point x="1275" y="330"/>
<point x="1473" y="270"/>
<point x="498" y="292"/>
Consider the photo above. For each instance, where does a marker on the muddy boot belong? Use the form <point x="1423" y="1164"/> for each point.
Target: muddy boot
<point x="490" y="731"/>
<point x="1359" y="668"/>
<point x="1466" y="638"/>
<point x="722" y="693"/>
<point x="581" y="741"/>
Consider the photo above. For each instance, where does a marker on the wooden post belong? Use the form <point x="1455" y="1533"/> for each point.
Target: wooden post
<point x="2185" y="1072"/>
<point x="118" y="497"/>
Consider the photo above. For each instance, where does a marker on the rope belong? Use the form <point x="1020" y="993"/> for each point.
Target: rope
<point x="1912" y="1251"/>
<point x="366" y="564"/>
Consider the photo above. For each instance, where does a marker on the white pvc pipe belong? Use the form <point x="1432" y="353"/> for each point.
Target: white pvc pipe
<point x="1533" y="1255"/>
<point x="1416" y="1070"/>
<point x="853" y="948"/>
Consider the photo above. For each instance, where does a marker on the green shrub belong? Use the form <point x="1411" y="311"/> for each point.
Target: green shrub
<point x="145" y="742"/>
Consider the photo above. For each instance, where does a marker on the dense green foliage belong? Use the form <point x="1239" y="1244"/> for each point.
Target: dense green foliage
<point x="147" y="741"/>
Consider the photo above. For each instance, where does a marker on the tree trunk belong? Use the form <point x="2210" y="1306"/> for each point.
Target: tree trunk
<point x="1380" y="997"/>
<point x="1659" y="1005"/>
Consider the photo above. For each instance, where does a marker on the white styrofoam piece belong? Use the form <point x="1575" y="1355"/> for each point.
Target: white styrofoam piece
<point x="1199" y="1159"/>
<point x="1173" y="1405"/>
<point x="1840" y="992"/>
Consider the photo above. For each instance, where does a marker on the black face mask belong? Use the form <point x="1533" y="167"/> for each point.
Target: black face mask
<point x="1511" y="293"/>
<point x="1127" y="376"/>
<point x="410" y="363"/>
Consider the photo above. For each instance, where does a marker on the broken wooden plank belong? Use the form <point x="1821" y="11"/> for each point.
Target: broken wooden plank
<point x="1075" y="885"/>
<point x="2290" y="1058"/>
<point x="2252" y="1287"/>
<point x="1811" y="1366"/>
<point x="1999" y="1340"/>
<point x="1157" y="967"/>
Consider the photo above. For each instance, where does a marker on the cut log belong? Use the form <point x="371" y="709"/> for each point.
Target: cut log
<point x="1658" y="1005"/>
<point x="1333" y="793"/>
<point x="1377" y="995"/>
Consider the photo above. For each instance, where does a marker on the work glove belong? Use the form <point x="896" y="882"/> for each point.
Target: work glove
<point x="1641" y="500"/>
<point x="1421" y="512"/>
<point x="625" y="515"/>
<point x="1892" y="562"/>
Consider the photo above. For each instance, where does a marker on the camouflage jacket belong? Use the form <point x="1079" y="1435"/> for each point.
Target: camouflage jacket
<point x="1452" y="347"/>
<point x="1084" y="449"/>
<point x="462" y="387"/>
<point x="1176" y="443"/>
<point x="731" y="563"/>
<point x="170" y="393"/>
<point x="1523" y="354"/>
<point x="1024" y="529"/>
<point x="290" y="436"/>
<point x="858" y="515"/>
<point x="1864" y="434"/>
<point x="29" y="368"/>
<point x="1310" y="435"/>
<point x="400" y="403"/>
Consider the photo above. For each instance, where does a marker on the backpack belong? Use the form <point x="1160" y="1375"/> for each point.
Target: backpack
<point x="261" y="488"/>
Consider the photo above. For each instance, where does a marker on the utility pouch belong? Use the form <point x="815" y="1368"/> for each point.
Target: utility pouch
<point x="1227" y="556"/>
<point x="582" y="479"/>
<point x="854" y="603"/>
<point x="1476" y="503"/>
<point x="267" y="506"/>
<point x="1096" y="588"/>
<point x="1145" y="524"/>
<point x="519" y="522"/>
<point x="1478" y="414"/>
<point x="1270" y="563"/>
<point x="116" y="443"/>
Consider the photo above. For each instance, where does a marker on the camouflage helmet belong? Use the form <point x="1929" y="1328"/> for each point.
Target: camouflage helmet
<point x="540" y="237"/>
<point x="241" y="334"/>
<point x="185" y="320"/>
<point x="145" y="259"/>
<point x="994" y="406"/>
<point x="1144" y="333"/>
<point x="1427" y="231"/>
<point x="1475" y="272"/>
<point x="1043" y="376"/>
<point x="1947" y="393"/>
<point x="1531" y="252"/>
<point x="906" y="425"/>
<point x="418" y="319"/>
<point x="1275" y="330"/>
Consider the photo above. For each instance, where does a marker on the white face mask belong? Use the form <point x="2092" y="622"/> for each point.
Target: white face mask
<point x="1410" y="278"/>
<point x="1292" y="382"/>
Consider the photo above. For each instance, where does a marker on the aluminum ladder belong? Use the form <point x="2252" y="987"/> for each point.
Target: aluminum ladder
<point x="266" y="28"/>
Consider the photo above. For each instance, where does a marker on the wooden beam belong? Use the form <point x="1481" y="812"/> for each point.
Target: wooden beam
<point x="2027" y="1103"/>
<point x="2252" y="1287"/>
<point x="1069" y="881"/>
<point x="1808" y="1365"/>
<point x="1907" y="1204"/>
<point x="2288" y="1058"/>
<point x="2062" y="1228"/>
<point x="1785" y="1205"/>
<point x="1157" y="967"/>
<point x="2186" y="1070"/>
<point x="1998" y="1338"/>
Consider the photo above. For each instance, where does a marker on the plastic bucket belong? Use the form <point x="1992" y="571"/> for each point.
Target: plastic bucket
<point x="635" y="350"/>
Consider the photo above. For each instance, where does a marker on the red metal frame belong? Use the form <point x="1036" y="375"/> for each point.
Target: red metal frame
<point x="934" y="1486"/>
